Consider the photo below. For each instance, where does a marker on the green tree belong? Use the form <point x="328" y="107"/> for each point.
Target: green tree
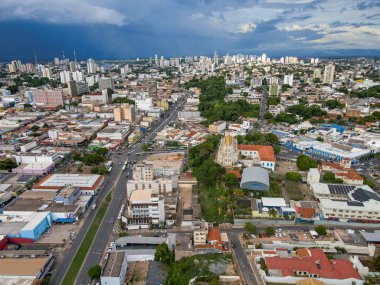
<point x="269" y="231"/>
<point x="7" y="164"/>
<point x="305" y="163"/>
<point x="268" y="116"/>
<point x="231" y="180"/>
<point x="250" y="228"/>
<point x="102" y="170"/>
<point x="321" y="230"/>
<point x="163" y="253"/>
<point x="376" y="262"/>
<point x="34" y="128"/>
<point x="272" y="213"/>
<point x="329" y="177"/>
<point x="94" y="272"/>
<point x="293" y="176"/>
<point x="272" y="139"/>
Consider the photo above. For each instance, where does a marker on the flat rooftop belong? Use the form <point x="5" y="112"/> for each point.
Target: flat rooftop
<point x="22" y="266"/>
<point x="114" y="264"/>
<point x="57" y="181"/>
<point x="39" y="195"/>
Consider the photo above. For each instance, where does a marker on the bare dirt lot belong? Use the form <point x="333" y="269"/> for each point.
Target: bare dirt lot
<point x="137" y="273"/>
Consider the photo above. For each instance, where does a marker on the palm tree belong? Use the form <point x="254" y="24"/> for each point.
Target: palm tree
<point x="272" y="213"/>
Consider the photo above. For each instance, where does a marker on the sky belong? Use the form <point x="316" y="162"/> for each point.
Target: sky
<point x="118" y="29"/>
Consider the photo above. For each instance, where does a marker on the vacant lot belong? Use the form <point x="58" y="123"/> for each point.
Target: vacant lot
<point x="294" y="190"/>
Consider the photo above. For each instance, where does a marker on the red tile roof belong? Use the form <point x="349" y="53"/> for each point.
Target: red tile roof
<point x="234" y="171"/>
<point x="266" y="152"/>
<point x="350" y="173"/>
<point x="214" y="234"/>
<point x="306" y="213"/>
<point x="313" y="261"/>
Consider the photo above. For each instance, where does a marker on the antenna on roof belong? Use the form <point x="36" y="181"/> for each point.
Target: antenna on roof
<point x="35" y="57"/>
<point x="75" y="59"/>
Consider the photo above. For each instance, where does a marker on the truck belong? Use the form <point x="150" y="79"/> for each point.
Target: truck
<point x="94" y="206"/>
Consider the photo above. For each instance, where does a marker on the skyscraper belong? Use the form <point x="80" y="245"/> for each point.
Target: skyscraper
<point x="72" y="66"/>
<point x="328" y="75"/>
<point x="316" y="73"/>
<point x="65" y="76"/>
<point x="91" y="66"/>
<point x="47" y="72"/>
<point x="288" y="79"/>
<point x="216" y="58"/>
<point x="124" y="112"/>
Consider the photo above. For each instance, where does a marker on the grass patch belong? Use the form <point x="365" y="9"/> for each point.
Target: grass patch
<point x="78" y="260"/>
<point x="207" y="266"/>
<point x="294" y="190"/>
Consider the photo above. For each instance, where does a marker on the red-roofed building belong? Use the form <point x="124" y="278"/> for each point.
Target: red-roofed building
<point x="214" y="241"/>
<point x="313" y="263"/>
<point x="261" y="154"/>
<point x="347" y="174"/>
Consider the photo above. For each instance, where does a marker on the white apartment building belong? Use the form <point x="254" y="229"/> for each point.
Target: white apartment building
<point x="143" y="171"/>
<point x="145" y="209"/>
<point x="161" y="185"/>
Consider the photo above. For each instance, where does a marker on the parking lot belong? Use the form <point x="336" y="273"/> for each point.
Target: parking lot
<point x="59" y="234"/>
<point x="290" y="236"/>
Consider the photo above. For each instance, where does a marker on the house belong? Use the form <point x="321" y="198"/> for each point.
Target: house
<point x="262" y="155"/>
<point x="311" y="262"/>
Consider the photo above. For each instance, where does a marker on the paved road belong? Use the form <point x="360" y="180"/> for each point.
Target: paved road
<point x="250" y="275"/>
<point x="61" y="272"/>
<point x="118" y="182"/>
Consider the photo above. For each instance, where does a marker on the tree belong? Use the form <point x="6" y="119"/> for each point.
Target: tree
<point x="269" y="231"/>
<point x="34" y="128"/>
<point x="27" y="105"/>
<point x="272" y="139"/>
<point x="329" y="177"/>
<point x="7" y="164"/>
<point x="231" y="180"/>
<point x="268" y="116"/>
<point x="321" y="230"/>
<point x="163" y="253"/>
<point x="376" y="262"/>
<point x="250" y="228"/>
<point x="272" y="213"/>
<point x="293" y="176"/>
<point x="94" y="272"/>
<point x="305" y="163"/>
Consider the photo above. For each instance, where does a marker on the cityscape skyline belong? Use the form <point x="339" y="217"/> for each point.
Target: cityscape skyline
<point x="176" y="28"/>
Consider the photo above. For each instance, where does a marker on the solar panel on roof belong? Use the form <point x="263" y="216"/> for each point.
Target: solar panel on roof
<point x="340" y="189"/>
<point x="355" y="203"/>
<point x="364" y="195"/>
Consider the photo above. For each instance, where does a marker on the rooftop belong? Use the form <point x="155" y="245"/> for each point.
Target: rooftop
<point x="114" y="264"/>
<point x="266" y="152"/>
<point x="22" y="266"/>
<point x="313" y="261"/>
<point x="57" y="181"/>
<point x="141" y="196"/>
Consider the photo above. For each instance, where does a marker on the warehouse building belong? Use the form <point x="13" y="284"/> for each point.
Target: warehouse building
<point x="255" y="178"/>
<point x="89" y="184"/>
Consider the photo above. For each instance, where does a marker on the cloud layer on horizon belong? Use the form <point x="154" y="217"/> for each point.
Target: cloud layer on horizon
<point x="117" y="28"/>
